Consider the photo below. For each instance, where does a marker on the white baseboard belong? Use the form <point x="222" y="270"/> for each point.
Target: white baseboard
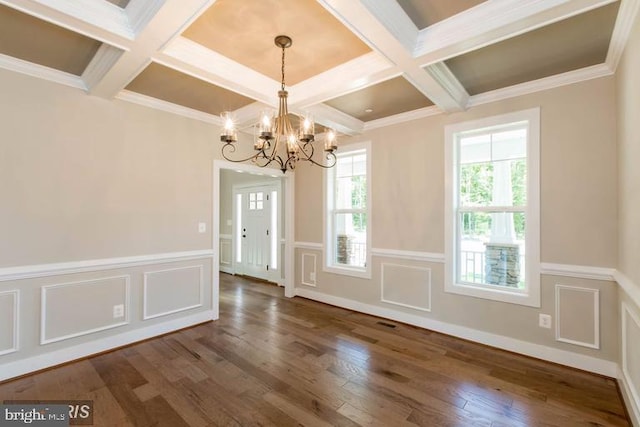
<point x="46" y="360"/>
<point x="633" y="407"/>
<point x="563" y="357"/>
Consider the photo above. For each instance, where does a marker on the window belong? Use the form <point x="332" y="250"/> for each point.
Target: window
<point x="347" y="202"/>
<point x="492" y="208"/>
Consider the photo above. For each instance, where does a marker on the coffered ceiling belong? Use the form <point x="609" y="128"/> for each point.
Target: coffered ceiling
<point x="354" y="64"/>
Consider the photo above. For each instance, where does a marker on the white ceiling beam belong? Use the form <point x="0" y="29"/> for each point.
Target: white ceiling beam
<point x="395" y="20"/>
<point x="103" y="60"/>
<point x="359" y="73"/>
<point x="380" y="26"/>
<point x="96" y="19"/>
<point x="165" y="25"/>
<point x="491" y="22"/>
<point x="335" y="119"/>
<point x="140" y="12"/>
<point x="198" y="61"/>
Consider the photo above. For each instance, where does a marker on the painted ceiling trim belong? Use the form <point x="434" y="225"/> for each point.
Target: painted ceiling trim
<point x="196" y="60"/>
<point x="148" y="30"/>
<point x="99" y="20"/>
<point x="546" y="83"/>
<point x="169" y="107"/>
<point x="491" y="22"/>
<point x="41" y="72"/>
<point x="626" y="16"/>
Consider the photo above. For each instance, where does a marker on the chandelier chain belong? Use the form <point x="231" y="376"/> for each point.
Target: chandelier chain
<point x="283" y="68"/>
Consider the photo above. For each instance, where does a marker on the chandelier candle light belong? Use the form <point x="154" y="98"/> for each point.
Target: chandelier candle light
<point x="276" y="140"/>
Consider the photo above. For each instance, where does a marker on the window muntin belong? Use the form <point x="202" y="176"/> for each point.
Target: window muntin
<point x="493" y="208"/>
<point x="491" y="195"/>
<point x="347" y="218"/>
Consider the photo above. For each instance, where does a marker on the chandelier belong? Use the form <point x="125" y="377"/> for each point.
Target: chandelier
<point x="276" y="140"/>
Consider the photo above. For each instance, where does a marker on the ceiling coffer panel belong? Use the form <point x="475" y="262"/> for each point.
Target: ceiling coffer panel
<point x="384" y="99"/>
<point x="173" y="86"/>
<point x="567" y="45"/>
<point x="31" y="39"/>
<point x="424" y="13"/>
<point x="243" y="30"/>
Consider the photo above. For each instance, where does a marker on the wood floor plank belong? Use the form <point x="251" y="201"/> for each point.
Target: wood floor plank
<point x="276" y="361"/>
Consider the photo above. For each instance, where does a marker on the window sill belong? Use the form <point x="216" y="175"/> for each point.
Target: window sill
<point x="520" y="297"/>
<point x="363" y="273"/>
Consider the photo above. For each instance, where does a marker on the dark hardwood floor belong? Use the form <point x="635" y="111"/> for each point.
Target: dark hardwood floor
<point x="275" y="361"/>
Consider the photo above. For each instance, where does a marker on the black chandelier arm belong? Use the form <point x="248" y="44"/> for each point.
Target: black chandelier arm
<point x="229" y="147"/>
<point x="308" y="149"/>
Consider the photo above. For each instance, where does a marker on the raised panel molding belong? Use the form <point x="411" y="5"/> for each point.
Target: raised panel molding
<point x="413" y="299"/>
<point x="311" y="272"/>
<point x="44" y="308"/>
<point x="178" y="287"/>
<point x="595" y="314"/>
<point x="14" y="295"/>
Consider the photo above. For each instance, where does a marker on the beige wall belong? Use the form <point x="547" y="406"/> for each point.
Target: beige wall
<point x="578" y="175"/>
<point x="86" y="178"/>
<point x="628" y="96"/>
<point x="628" y="111"/>
<point x="578" y="211"/>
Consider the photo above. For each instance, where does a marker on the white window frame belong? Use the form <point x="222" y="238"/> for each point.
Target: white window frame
<point x="328" y="190"/>
<point x="530" y="295"/>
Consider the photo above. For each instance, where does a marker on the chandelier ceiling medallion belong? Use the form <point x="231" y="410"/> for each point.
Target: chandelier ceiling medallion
<point x="276" y="140"/>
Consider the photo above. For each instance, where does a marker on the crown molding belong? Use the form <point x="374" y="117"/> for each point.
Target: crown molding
<point x="624" y="23"/>
<point x="546" y="83"/>
<point x="491" y="22"/>
<point x="104" y="59"/>
<point x="168" y="107"/>
<point x="41" y="72"/>
<point x="402" y="117"/>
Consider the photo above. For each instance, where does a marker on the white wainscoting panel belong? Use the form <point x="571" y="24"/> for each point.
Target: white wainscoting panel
<point x="9" y="330"/>
<point x="578" y="316"/>
<point x="172" y="290"/>
<point x="309" y="269"/>
<point x="225" y="251"/>
<point x="631" y="357"/>
<point x="226" y="254"/>
<point x="70" y="310"/>
<point x="406" y="286"/>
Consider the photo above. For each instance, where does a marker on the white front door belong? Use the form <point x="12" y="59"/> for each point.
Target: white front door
<point x="256" y="230"/>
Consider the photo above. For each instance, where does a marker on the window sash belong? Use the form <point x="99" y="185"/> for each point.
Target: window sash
<point x="529" y="120"/>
